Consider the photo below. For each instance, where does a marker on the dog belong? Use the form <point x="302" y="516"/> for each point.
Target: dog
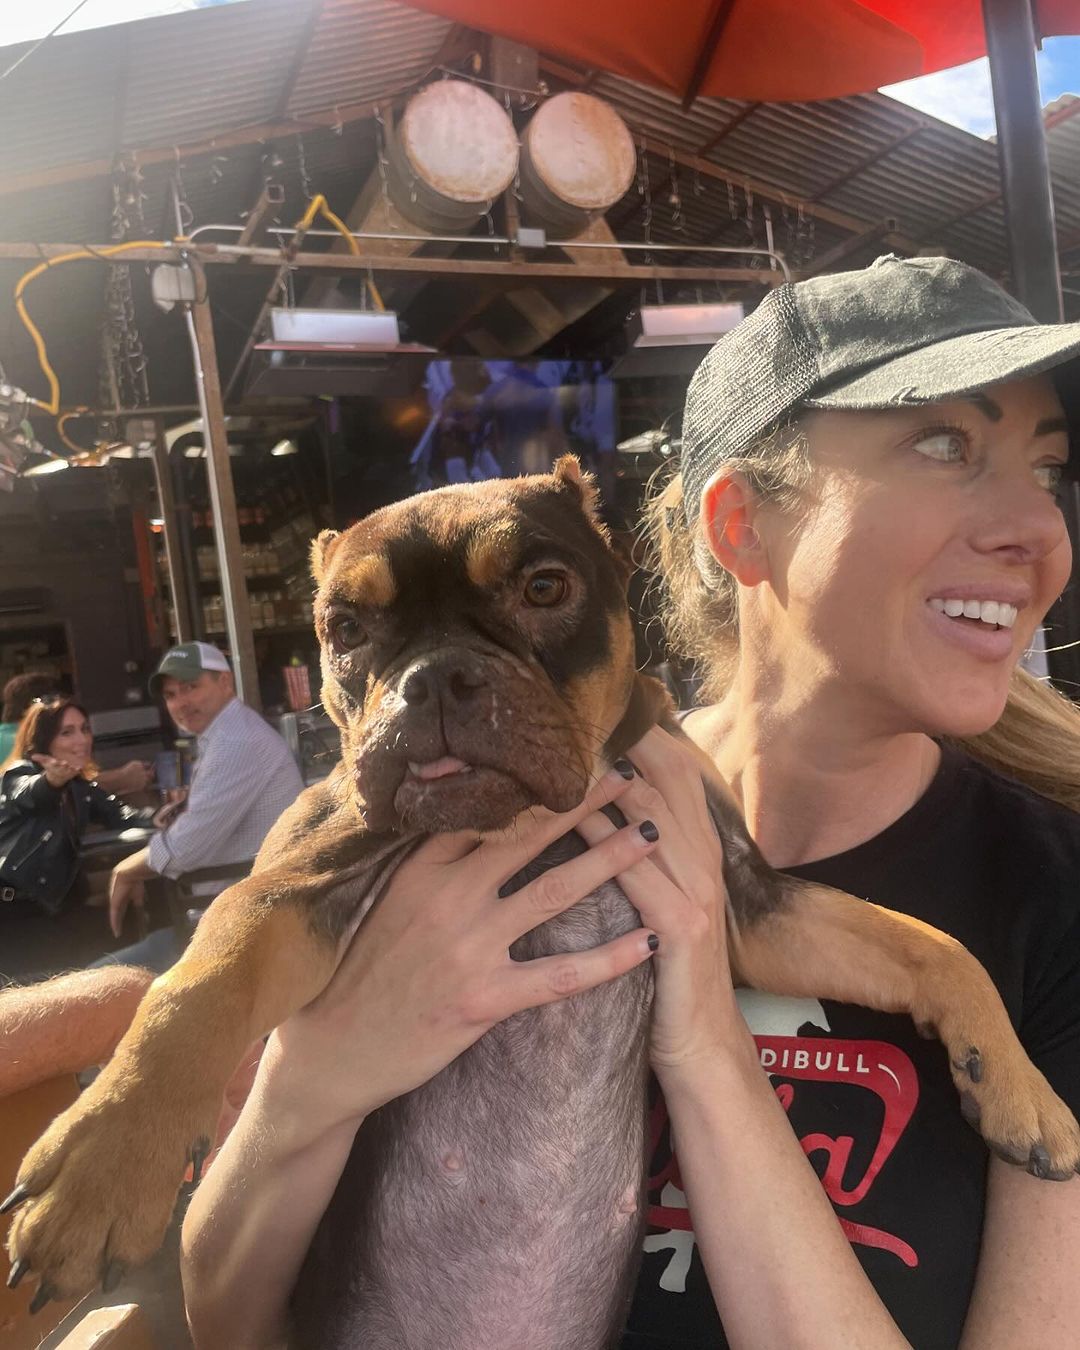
<point x="487" y="623"/>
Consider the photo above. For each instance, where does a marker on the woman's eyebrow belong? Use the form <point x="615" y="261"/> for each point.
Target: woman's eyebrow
<point x="986" y="406"/>
<point x="1049" y="425"/>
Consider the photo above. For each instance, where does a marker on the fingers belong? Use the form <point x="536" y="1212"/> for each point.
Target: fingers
<point x="562" y="887"/>
<point x="530" y="984"/>
<point x="500" y="856"/>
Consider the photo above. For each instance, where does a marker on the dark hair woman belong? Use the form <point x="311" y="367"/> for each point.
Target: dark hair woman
<point x="47" y="798"/>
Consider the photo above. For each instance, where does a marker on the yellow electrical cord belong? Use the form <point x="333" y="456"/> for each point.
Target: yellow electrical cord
<point x="317" y="206"/>
<point x="53" y="405"/>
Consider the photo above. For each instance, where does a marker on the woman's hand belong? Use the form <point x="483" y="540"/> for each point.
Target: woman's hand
<point x="430" y="971"/>
<point x="58" y="772"/>
<point x="680" y="894"/>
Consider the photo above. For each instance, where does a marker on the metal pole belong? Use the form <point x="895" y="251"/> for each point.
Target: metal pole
<point x="181" y="601"/>
<point x="1029" y="213"/>
<point x="1025" y="169"/>
<point x="222" y="493"/>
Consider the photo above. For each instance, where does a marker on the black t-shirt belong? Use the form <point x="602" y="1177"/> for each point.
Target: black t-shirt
<point x="998" y="867"/>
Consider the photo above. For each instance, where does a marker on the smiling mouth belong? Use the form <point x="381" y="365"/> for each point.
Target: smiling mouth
<point x="985" y="614"/>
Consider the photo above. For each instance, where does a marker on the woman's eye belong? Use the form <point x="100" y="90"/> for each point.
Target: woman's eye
<point x="1050" y="476"/>
<point x="544" y="590"/>
<point x="945" y="446"/>
<point x="345" y="633"/>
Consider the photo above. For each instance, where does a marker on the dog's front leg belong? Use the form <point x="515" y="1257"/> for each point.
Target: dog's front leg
<point x="820" y="943"/>
<point x="100" y="1185"/>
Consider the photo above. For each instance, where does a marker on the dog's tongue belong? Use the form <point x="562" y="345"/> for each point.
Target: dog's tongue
<point x="438" y="768"/>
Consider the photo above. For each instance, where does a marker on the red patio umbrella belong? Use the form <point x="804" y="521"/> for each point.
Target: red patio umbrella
<point x="767" y="50"/>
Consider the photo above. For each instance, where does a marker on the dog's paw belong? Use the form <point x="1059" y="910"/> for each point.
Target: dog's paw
<point x="95" y="1194"/>
<point x="1014" y="1108"/>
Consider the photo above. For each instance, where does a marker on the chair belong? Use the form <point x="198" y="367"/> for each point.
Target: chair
<point x="182" y="898"/>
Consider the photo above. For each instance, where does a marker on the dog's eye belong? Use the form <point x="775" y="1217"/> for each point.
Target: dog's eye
<point x="345" y="633"/>
<point x="543" y="590"/>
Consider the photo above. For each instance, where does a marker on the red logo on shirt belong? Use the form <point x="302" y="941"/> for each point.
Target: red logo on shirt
<point x="877" y="1066"/>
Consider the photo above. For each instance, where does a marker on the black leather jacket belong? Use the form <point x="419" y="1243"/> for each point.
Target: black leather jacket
<point x="40" y="829"/>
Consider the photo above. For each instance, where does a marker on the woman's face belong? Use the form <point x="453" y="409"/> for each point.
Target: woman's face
<point x="929" y="550"/>
<point x="73" y="741"/>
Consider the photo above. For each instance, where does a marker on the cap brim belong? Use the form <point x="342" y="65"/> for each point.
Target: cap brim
<point x="954" y="368"/>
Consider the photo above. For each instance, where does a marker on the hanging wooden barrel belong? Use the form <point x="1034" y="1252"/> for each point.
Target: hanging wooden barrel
<point x="577" y="160"/>
<point x="451" y="154"/>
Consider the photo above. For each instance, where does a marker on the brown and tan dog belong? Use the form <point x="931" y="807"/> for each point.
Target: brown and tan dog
<point x="484" y="627"/>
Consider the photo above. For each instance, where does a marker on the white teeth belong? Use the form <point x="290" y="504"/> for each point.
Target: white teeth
<point x="996" y="613"/>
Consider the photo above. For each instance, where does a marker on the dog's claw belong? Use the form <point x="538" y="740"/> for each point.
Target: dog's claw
<point x="199" y="1152"/>
<point x="971" y="1064"/>
<point x="18" y="1270"/>
<point x="114" y="1273"/>
<point x="1039" y="1162"/>
<point x="44" y="1294"/>
<point x="17" y="1196"/>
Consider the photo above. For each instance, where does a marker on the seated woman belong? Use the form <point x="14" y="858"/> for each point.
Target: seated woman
<point x="48" y="796"/>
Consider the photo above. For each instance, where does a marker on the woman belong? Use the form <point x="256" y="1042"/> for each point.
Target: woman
<point x="862" y="543"/>
<point x="48" y="795"/>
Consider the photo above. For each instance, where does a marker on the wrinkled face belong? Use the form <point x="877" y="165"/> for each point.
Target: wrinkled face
<point x="930" y="548"/>
<point x="193" y="704"/>
<point x="73" y="741"/>
<point x="476" y="651"/>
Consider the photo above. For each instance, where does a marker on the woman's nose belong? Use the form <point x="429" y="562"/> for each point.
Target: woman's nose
<point x="1020" y="518"/>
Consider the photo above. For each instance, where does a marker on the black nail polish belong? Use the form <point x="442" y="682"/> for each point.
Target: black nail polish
<point x="649" y="832"/>
<point x="653" y="941"/>
<point x="624" y="767"/>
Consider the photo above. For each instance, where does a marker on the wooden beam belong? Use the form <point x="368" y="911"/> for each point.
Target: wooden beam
<point x="510" y="273"/>
<point x="270" y="198"/>
<point x="254" y="133"/>
<point x="729" y="126"/>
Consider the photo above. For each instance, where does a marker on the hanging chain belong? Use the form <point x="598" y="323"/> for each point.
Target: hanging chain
<point x="674" y="197"/>
<point x="301" y="161"/>
<point x="644" y="189"/>
<point x="122" y="370"/>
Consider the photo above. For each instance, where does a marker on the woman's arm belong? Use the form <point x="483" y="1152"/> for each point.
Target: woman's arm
<point x="779" y="1267"/>
<point x="781" y="1271"/>
<point x="1026" y="1290"/>
<point x="250" y="1222"/>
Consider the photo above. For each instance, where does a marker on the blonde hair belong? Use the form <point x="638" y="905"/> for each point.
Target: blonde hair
<point x="1037" y="738"/>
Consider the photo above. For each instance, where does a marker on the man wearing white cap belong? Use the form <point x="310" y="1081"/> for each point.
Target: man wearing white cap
<point x="244" y="777"/>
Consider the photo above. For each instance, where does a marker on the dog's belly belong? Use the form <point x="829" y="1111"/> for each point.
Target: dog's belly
<point x="500" y="1205"/>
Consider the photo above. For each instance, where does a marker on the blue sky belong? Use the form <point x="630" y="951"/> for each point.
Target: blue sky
<point x="961" y="95"/>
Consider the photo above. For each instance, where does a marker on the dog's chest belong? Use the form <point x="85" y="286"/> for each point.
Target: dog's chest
<point x="500" y="1203"/>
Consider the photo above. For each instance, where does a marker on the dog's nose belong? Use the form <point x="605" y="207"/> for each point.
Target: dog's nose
<point x="458" y="680"/>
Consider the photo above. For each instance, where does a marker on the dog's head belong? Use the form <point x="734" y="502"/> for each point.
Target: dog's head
<point x="477" y="650"/>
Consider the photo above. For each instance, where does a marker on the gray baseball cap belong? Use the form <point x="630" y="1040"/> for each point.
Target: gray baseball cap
<point x="901" y="332"/>
<point x="187" y="661"/>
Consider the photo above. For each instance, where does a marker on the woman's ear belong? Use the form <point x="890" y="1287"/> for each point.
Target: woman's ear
<point x="728" y="509"/>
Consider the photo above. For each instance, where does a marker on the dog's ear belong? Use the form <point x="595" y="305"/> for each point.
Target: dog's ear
<point x="569" y="474"/>
<point x="322" y="549"/>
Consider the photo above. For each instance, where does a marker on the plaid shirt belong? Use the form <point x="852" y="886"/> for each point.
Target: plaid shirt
<point x="244" y="777"/>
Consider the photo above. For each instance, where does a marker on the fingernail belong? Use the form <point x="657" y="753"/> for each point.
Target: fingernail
<point x="653" y="942"/>
<point x="649" y="832"/>
<point x="625" y="768"/>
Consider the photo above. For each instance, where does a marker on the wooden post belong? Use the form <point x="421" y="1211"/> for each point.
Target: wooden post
<point x="222" y="493"/>
<point x="181" y="601"/>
